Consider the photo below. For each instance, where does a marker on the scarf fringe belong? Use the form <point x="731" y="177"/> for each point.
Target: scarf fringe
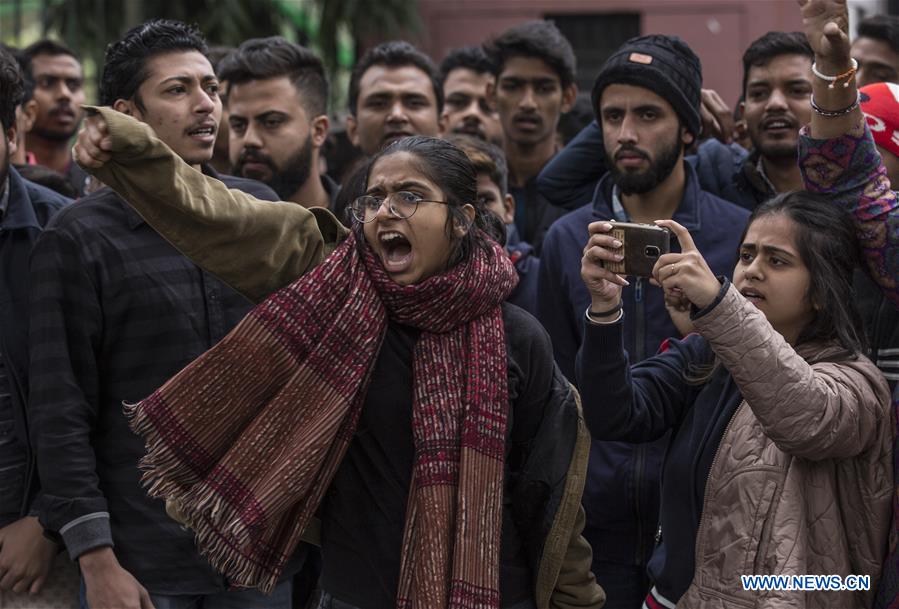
<point x="199" y="508"/>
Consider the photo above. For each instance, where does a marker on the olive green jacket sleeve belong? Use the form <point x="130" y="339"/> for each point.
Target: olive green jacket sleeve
<point x="255" y="246"/>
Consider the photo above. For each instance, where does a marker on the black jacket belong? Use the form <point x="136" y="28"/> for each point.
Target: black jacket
<point x="30" y="207"/>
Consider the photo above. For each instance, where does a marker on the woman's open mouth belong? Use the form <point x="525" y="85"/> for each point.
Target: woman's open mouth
<point x="752" y="295"/>
<point x="396" y="251"/>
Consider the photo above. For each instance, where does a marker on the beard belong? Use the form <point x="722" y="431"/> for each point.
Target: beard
<point x="631" y="182"/>
<point x="54" y="136"/>
<point x="287" y="180"/>
<point x="777" y="151"/>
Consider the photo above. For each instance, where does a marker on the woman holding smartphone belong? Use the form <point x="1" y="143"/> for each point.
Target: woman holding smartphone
<point x="780" y="457"/>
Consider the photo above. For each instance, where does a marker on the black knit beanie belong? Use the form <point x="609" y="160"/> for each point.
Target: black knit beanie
<point x="663" y="64"/>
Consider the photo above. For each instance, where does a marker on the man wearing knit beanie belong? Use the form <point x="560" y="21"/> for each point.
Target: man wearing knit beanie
<point x="647" y="100"/>
<point x="774" y="104"/>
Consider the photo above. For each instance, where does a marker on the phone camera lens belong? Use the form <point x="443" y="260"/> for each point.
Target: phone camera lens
<point x="651" y="251"/>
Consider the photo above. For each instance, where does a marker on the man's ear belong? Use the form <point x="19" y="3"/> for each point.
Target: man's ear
<point x="443" y="123"/>
<point x="686" y="137"/>
<point x="319" y="130"/>
<point x="126" y="106"/>
<point x="11" y="136"/>
<point x="569" y="95"/>
<point x="352" y="130"/>
<point x="461" y="229"/>
<point x="508" y="209"/>
<point x="29" y="115"/>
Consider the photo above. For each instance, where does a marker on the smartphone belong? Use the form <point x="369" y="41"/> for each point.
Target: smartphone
<point x="642" y="244"/>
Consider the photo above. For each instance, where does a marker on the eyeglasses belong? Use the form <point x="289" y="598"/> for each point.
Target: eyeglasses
<point x="401" y="204"/>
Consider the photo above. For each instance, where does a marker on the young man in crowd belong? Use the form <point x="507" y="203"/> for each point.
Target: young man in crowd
<point x="26" y="555"/>
<point x="647" y="100"/>
<point x="115" y="311"/>
<point x="535" y="70"/>
<point x="493" y="195"/>
<point x="776" y="89"/>
<point x="277" y="101"/>
<point x="466" y="74"/>
<point x="876" y="49"/>
<point x="58" y="79"/>
<point x="394" y="92"/>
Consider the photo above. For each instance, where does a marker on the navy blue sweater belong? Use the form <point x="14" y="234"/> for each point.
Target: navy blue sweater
<point x="643" y="402"/>
<point x="621" y="496"/>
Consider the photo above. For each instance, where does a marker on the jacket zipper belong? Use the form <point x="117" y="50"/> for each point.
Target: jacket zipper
<point x="640" y="451"/>
<point x="705" y="495"/>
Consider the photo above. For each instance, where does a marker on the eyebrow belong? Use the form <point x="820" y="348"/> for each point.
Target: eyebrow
<point x="269" y="113"/>
<point x="766" y="82"/>
<point x="769" y="249"/>
<point x="402" y="186"/>
<point x="540" y="80"/>
<point x="184" y="79"/>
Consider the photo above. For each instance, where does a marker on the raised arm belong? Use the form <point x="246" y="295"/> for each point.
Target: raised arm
<point x="837" y="154"/>
<point x="816" y="411"/>
<point x="255" y="246"/>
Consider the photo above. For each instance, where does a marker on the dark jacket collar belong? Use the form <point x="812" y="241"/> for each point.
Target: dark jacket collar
<point x="688" y="213"/>
<point x="754" y="179"/>
<point x="20" y="211"/>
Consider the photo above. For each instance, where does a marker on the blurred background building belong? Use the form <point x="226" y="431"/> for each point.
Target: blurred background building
<point x="718" y="30"/>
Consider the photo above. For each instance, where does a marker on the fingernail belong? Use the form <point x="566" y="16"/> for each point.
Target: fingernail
<point x="616" y="243"/>
<point x="619" y="257"/>
<point x="626" y="282"/>
<point x="607" y="226"/>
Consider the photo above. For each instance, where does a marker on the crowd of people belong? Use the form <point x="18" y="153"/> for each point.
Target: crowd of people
<point x="244" y="365"/>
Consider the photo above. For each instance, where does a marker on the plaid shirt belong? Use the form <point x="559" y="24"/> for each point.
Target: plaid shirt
<point x="115" y="312"/>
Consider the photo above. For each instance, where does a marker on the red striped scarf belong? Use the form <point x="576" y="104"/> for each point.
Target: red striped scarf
<point x="245" y="441"/>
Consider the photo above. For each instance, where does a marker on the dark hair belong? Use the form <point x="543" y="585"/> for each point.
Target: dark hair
<point x="471" y="58"/>
<point x="11" y="89"/>
<point x="125" y="64"/>
<point x="486" y="157"/>
<point x="394" y="54"/>
<point x="540" y="39"/>
<point x="216" y="54"/>
<point x="263" y="58"/>
<point x="771" y="45"/>
<point x="881" y="27"/>
<point x="448" y="167"/>
<point x="46" y="47"/>
<point x="827" y="243"/>
<point x="352" y="187"/>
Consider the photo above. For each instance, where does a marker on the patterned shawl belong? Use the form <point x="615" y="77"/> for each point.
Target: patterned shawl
<point x="245" y="440"/>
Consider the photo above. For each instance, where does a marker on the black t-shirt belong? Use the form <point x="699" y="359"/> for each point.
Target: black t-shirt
<point x="364" y="511"/>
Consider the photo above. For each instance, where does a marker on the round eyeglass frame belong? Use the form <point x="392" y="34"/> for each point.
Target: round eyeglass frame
<point x="357" y="202"/>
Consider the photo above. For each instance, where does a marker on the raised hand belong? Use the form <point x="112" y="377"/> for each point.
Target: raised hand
<point x="604" y="285"/>
<point x="685" y="275"/>
<point x="826" y="24"/>
<point x="91" y="151"/>
<point x="717" y="117"/>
